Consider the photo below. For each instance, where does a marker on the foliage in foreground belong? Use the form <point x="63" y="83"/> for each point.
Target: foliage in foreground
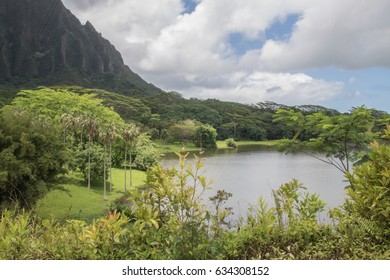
<point x="168" y="220"/>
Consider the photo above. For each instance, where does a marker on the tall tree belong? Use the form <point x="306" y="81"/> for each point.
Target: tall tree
<point x="92" y="126"/>
<point x="66" y="120"/>
<point x="112" y="134"/>
<point x="129" y="133"/>
<point x="105" y="137"/>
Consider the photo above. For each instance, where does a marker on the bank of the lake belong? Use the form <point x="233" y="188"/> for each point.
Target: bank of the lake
<point x="167" y="148"/>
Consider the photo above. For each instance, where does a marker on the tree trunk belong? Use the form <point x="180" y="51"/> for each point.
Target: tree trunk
<point x="110" y="163"/>
<point x="125" y="167"/>
<point x="104" y="172"/>
<point x="131" y="175"/>
<point x="89" y="163"/>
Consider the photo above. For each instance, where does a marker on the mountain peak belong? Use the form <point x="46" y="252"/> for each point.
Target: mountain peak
<point x="43" y="42"/>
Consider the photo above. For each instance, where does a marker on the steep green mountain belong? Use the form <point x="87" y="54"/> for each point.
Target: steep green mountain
<point x="43" y="43"/>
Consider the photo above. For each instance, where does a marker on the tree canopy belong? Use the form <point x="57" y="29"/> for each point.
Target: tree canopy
<point x="343" y="139"/>
<point x="54" y="103"/>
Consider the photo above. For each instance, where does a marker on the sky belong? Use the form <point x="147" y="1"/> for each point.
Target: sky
<point x="334" y="53"/>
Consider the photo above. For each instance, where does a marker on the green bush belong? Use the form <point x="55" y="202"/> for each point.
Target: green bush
<point x="231" y="143"/>
<point x="371" y="198"/>
<point x="31" y="155"/>
<point x="146" y="154"/>
<point x="170" y="213"/>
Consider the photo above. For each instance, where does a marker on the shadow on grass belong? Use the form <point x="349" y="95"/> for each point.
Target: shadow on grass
<point x="76" y="179"/>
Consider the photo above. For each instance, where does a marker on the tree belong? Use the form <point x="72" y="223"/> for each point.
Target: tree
<point x="70" y="109"/>
<point x="112" y="135"/>
<point x="146" y="153"/>
<point x="342" y="139"/>
<point x="129" y="133"/>
<point x="31" y="156"/>
<point x="92" y="126"/>
<point x="105" y="136"/>
<point x="164" y="135"/>
<point x="183" y="131"/>
<point x="67" y="122"/>
<point x="205" y="136"/>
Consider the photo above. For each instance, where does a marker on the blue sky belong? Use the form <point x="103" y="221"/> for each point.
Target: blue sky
<point x="280" y="29"/>
<point x="325" y="52"/>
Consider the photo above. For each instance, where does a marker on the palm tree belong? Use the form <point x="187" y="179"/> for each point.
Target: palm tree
<point x="80" y="122"/>
<point x="134" y="136"/>
<point x="92" y="126"/>
<point x="111" y="136"/>
<point x="129" y="133"/>
<point x="67" y="122"/>
<point x="71" y="122"/>
<point x="104" y="136"/>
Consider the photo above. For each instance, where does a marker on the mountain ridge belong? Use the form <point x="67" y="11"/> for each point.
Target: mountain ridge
<point x="43" y="43"/>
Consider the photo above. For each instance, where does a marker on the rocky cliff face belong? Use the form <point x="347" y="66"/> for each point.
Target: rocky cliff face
<point x="41" y="40"/>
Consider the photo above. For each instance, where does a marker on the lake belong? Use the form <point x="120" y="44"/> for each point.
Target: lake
<point x="250" y="172"/>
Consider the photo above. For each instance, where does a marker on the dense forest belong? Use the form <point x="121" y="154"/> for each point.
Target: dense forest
<point x="156" y="113"/>
<point x="48" y="135"/>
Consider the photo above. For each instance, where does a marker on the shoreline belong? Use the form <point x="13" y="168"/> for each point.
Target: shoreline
<point x="170" y="148"/>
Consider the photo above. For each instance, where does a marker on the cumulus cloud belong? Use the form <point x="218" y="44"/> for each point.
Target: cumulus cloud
<point x="347" y="34"/>
<point x="190" y="52"/>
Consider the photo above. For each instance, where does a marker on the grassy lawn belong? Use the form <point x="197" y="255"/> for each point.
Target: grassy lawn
<point x="77" y="202"/>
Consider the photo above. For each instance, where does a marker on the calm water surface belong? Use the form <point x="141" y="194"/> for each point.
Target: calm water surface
<point x="251" y="172"/>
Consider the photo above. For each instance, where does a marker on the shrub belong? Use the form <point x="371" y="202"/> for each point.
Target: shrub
<point x="31" y="155"/>
<point x="146" y="153"/>
<point x="231" y="143"/>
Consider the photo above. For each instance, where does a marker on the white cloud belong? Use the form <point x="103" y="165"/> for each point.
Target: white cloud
<point x="190" y="53"/>
<point x="131" y="25"/>
<point x="279" y="87"/>
<point x="346" y="34"/>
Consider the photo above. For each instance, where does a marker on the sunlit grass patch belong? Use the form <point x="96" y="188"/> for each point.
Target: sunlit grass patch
<point x="75" y="201"/>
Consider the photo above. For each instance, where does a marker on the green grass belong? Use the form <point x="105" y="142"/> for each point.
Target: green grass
<point x="268" y="143"/>
<point x="77" y="202"/>
<point x="174" y="147"/>
<point x="190" y="147"/>
<point x="271" y="143"/>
